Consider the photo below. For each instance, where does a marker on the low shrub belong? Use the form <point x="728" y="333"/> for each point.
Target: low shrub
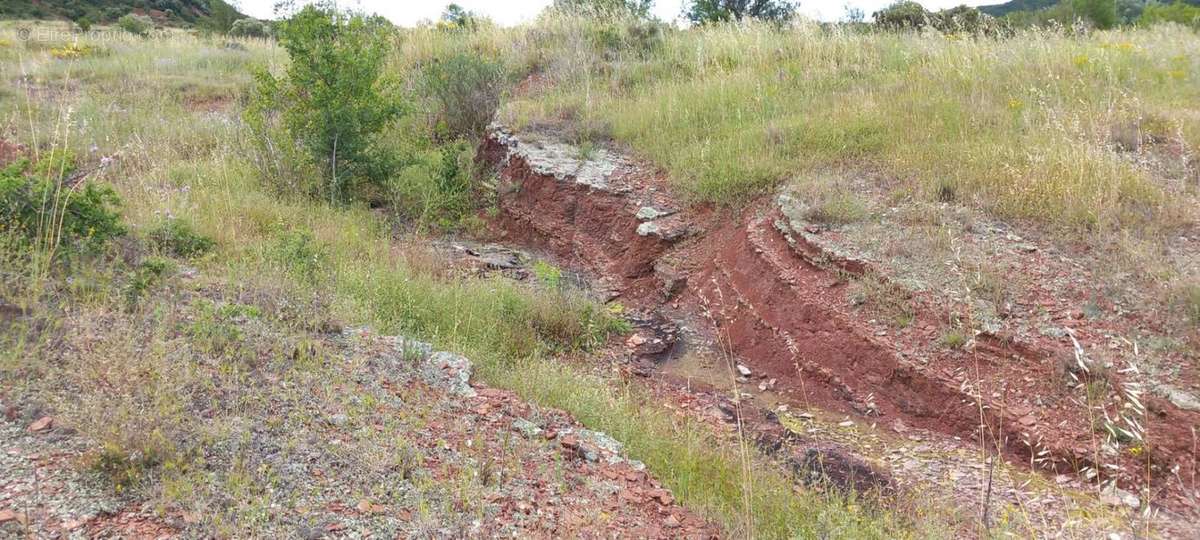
<point x="177" y="237"/>
<point x="138" y="25"/>
<point x="299" y="254"/>
<point x="1177" y="12"/>
<point x="331" y="105"/>
<point x="147" y="276"/>
<point x="1188" y="299"/>
<point x="250" y="28"/>
<point x="465" y="91"/>
<point x="47" y="213"/>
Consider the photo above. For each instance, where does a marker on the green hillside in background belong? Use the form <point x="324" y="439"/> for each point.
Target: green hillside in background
<point x="202" y="13"/>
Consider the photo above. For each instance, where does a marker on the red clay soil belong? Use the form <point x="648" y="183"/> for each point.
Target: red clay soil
<point x="779" y="304"/>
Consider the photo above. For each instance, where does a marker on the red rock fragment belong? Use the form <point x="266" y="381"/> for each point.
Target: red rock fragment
<point x="41" y="424"/>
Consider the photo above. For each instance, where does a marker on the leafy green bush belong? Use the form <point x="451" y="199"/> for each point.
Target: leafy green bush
<point x="907" y="15"/>
<point x="177" y="237"/>
<point x="1177" y="12"/>
<point x="715" y="11"/>
<point x="300" y="254"/>
<point x="333" y="102"/>
<point x="456" y="18"/>
<point x="251" y="28"/>
<point x="147" y="276"/>
<point x="465" y="90"/>
<point x="1102" y="13"/>
<point x="903" y="15"/>
<point x="437" y="187"/>
<point x="39" y="208"/>
<point x="138" y="25"/>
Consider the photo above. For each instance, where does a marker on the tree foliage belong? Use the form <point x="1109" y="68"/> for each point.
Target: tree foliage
<point x="1177" y="12"/>
<point x="333" y="100"/>
<point x="457" y="18"/>
<point x="712" y="11"/>
<point x="906" y="15"/>
<point x="1101" y="13"/>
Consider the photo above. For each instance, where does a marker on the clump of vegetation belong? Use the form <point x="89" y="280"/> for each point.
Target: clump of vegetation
<point x="1188" y="299"/>
<point x="547" y="273"/>
<point x="333" y="102"/>
<point x="455" y="17"/>
<point x="148" y="275"/>
<point x="250" y="28"/>
<point x="179" y="238"/>
<point x="605" y="8"/>
<point x="1177" y="12"/>
<point x="717" y="11"/>
<point x="38" y="205"/>
<point x="138" y="25"/>
<point x="298" y="253"/>
<point x="892" y="301"/>
<point x="126" y="464"/>
<point x="954" y="339"/>
<point x="465" y="90"/>
<point x="213" y="329"/>
<point x="907" y="15"/>
<point x="72" y="51"/>
<point x="840" y="207"/>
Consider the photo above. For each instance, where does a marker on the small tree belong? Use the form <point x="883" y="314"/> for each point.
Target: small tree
<point x="454" y="17"/>
<point x="711" y="11"/>
<point x="138" y="25"/>
<point x="83" y="23"/>
<point x="333" y="101"/>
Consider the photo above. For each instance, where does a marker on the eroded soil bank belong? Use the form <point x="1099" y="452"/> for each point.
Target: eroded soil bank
<point x="757" y="289"/>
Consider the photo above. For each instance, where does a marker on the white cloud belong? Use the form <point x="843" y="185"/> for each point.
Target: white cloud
<point x="508" y="12"/>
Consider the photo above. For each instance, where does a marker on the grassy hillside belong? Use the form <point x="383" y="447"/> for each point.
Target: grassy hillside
<point x="175" y="12"/>
<point x="1000" y="10"/>
<point x="1089" y="137"/>
<point x="1023" y="127"/>
<point x="164" y="115"/>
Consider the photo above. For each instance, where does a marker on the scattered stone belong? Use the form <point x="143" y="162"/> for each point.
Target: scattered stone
<point x="743" y="370"/>
<point x="41" y="424"/>
<point x="1115" y="496"/>
<point x="526" y="428"/>
<point x="671" y="522"/>
<point x="648" y="228"/>
<point x="647" y="213"/>
<point x="337" y="420"/>
<point x="450" y="371"/>
<point x="1179" y="397"/>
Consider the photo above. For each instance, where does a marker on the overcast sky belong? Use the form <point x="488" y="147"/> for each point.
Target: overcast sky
<point x="508" y="12"/>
